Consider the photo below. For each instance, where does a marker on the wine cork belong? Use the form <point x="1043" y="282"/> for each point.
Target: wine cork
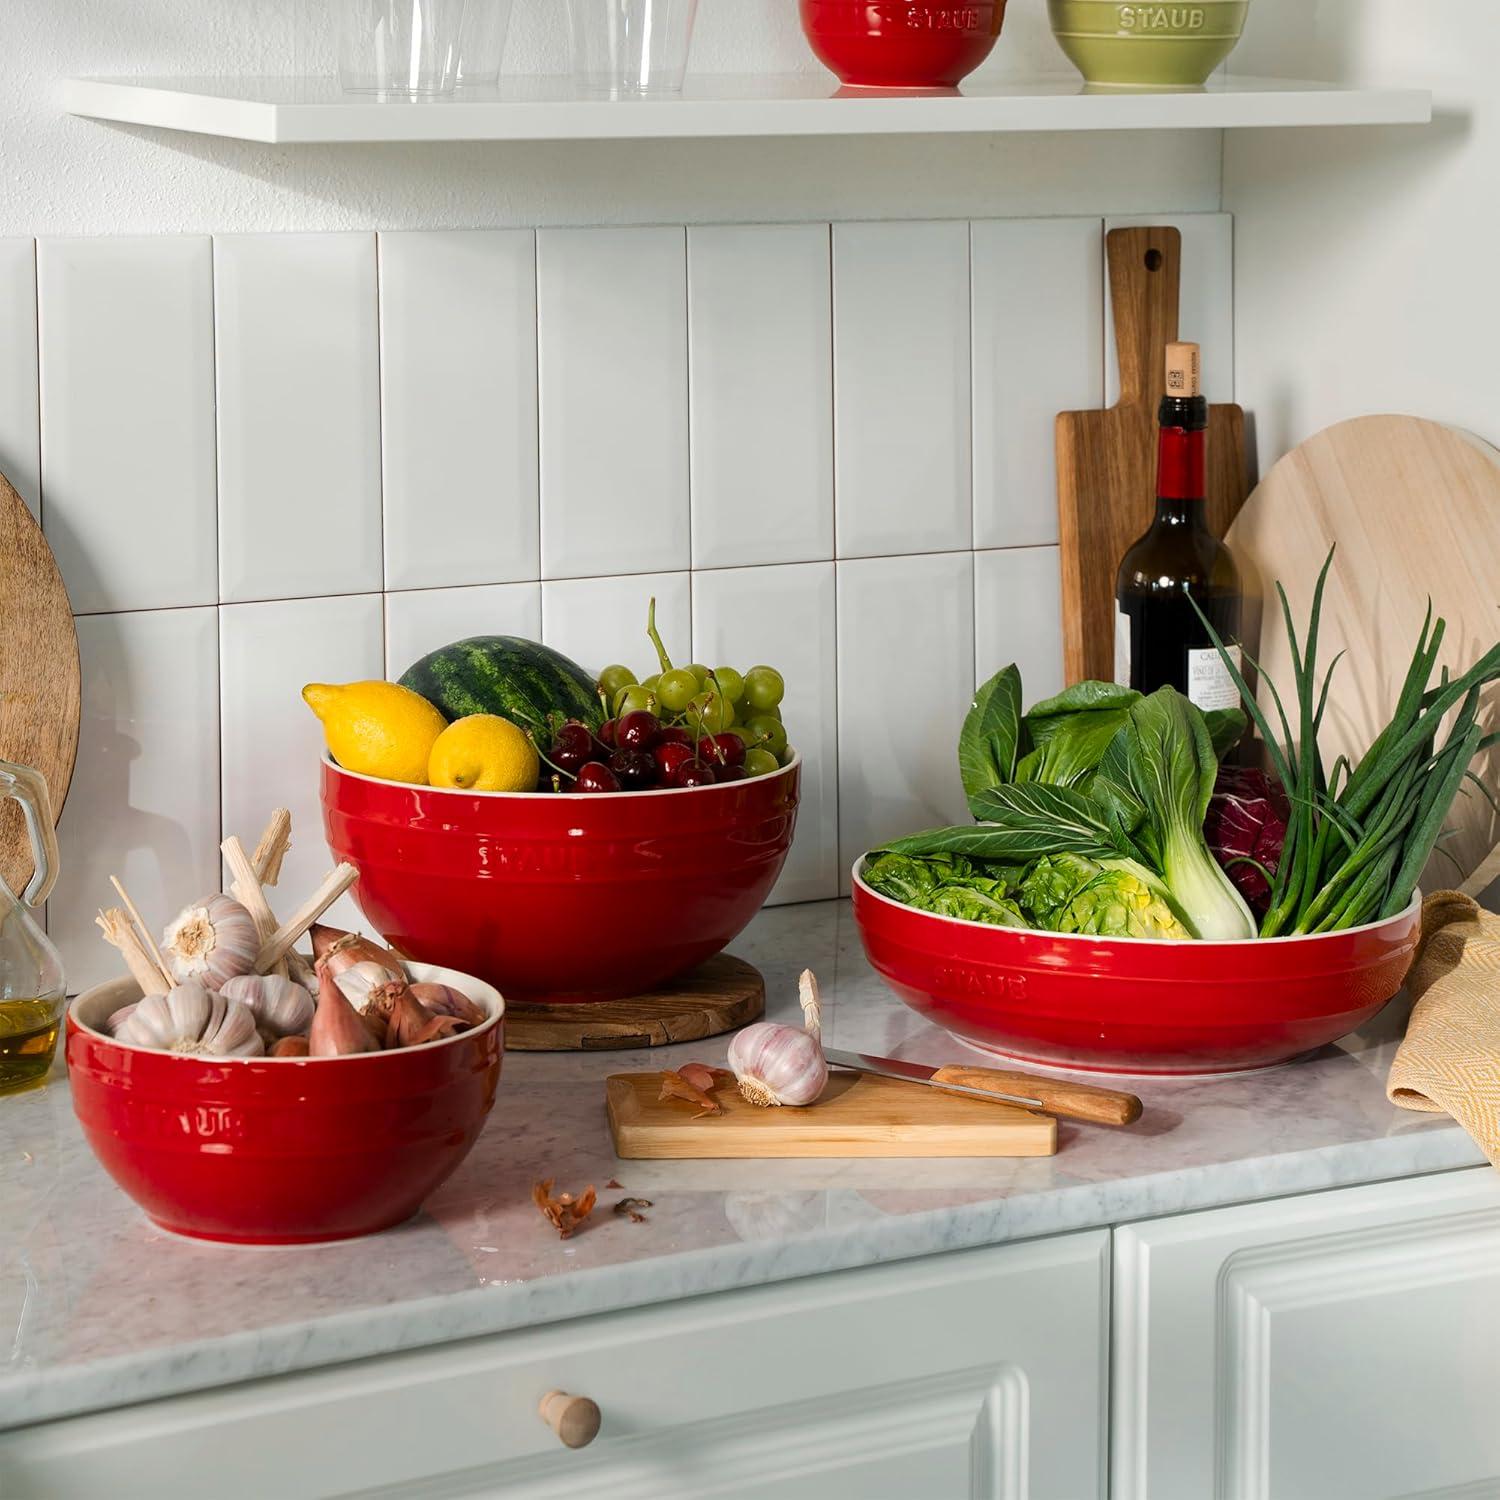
<point x="1184" y="371"/>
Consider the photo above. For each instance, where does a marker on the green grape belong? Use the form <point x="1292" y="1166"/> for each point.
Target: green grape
<point x="612" y="679"/>
<point x="650" y="682"/>
<point x="710" y="714"/>
<point x="747" y="736"/>
<point x="764" y="688"/>
<point x="631" y="699"/>
<point x="731" y="684"/>
<point x="700" y="672"/>
<point x="676" y="689"/>
<point x="788" y="756"/>
<point x="768" y="733"/>
<point x="760" y="762"/>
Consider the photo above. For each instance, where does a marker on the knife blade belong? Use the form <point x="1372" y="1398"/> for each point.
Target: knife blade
<point x="1053" y="1096"/>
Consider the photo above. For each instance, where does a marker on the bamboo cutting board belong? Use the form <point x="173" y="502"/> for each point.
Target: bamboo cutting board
<point x="1106" y="460"/>
<point x="39" y="679"/>
<point x="1414" y="507"/>
<point x="858" y="1115"/>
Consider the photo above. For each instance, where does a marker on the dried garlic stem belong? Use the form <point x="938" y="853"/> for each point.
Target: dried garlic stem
<point x="812" y="1008"/>
<point x="245" y="888"/>
<point x="147" y="940"/>
<point x="335" y="883"/>
<point x="118" y="932"/>
<point x="271" y="849"/>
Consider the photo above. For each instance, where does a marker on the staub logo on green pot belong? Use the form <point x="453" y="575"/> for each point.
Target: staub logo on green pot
<point x="1162" y="17"/>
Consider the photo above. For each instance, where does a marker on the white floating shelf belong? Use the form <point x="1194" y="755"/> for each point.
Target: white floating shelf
<point x="312" y="110"/>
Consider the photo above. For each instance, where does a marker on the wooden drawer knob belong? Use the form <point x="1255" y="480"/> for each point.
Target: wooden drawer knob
<point x="575" y="1419"/>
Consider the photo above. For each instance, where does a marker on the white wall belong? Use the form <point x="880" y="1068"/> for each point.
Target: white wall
<point x="1365" y="260"/>
<point x="63" y="175"/>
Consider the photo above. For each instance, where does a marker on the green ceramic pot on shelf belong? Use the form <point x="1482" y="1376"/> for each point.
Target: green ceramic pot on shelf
<point x="1135" y="45"/>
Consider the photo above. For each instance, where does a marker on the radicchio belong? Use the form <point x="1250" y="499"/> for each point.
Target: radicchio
<point x="1247" y="819"/>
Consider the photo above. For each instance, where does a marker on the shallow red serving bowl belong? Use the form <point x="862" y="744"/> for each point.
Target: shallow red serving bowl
<point x="896" y="44"/>
<point x="562" y="897"/>
<point x="262" y="1152"/>
<point x="1135" y="1005"/>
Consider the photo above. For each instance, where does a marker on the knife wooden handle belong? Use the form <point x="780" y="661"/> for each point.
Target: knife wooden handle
<point x="1074" y="1101"/>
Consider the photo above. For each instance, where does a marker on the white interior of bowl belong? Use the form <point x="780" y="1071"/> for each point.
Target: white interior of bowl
<point x="1083" y="937"/>
<point x="661" y="791"/>
<point x="94" y="1007"/>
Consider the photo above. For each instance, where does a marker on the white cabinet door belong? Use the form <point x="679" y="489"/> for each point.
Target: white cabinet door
<point x="1340" y="1346"/>
<point x="973" y="1376"/>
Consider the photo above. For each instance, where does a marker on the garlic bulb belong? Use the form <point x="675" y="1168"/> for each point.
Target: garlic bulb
<point x="337" y="1030"/>
<point x="212" y="941"/>
<point x="778" y="1064"/>
<point x="191" y="1020"/>
<point x="279" y="1006"/>
<point x="119" y="1017"/>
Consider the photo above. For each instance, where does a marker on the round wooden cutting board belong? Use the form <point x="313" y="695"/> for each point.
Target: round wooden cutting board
<point x="1414" y="507"/>
<point x="39" y="687"/>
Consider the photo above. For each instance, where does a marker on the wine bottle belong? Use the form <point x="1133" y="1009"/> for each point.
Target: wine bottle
<point x="1159" y="638"/>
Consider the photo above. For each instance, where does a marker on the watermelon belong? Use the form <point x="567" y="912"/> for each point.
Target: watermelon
<point x="530" y="684"/>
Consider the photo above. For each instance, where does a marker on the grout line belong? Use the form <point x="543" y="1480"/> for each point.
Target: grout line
<point x="380" y="424"/>
<point x="536" y="367"/>
<point x="36" y="329"/>
<point x="687" y="370"/>
<point x="835" y="725"/>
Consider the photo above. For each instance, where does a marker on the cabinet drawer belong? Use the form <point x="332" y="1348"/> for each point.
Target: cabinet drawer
<point x="979" y="1373"/>
<point x="1341" y="1346"/>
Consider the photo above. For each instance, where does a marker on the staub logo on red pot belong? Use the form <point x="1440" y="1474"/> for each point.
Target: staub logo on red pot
<point x="942" y="17"/>
<point x="1162" y="17"/>
<point x="993" y="983"/>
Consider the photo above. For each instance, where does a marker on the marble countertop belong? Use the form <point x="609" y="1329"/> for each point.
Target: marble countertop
<point x="98" y="1308"/>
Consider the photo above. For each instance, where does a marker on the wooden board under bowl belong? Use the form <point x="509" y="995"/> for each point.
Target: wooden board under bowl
<point x="858" y="1115"/>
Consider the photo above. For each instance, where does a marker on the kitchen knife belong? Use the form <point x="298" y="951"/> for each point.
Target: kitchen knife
<point x="1054" y="1096"/>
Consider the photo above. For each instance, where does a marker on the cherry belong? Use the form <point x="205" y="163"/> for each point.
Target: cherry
<point x="638" y="730"/>
<point x="722" y="749"/>
<point x="671" y="755"/>
<point x="595" y="777"/>
<point x="674" y="734"/>
<point x="607" y="732"/>
<point x="636" y="769"/>
<point x="732" y="773"/>
<point x="693" y="773"/>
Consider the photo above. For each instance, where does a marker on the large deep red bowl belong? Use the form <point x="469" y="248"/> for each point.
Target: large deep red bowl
<point x="262" y="1152"/>
<point x="562" y="897"/>
<point x="894" y="44"/>
<point x="1135" y="1005"/>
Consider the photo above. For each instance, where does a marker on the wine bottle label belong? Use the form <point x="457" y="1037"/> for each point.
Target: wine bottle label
<point x="1209" y="682"/>
<point x="1122" y="648"/>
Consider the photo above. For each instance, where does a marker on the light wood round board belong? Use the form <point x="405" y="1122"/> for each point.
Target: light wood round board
<point x="39" y="679"/>
<point x="718" y="996"/>
<point x="1414" y="508"/>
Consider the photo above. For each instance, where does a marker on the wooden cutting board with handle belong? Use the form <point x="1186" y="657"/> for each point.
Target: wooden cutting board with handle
<point x="39" y="678"/>
<point x="1414" y="507"/>
<point x="1106" y="460"/>
<point x="858" y="1115"/>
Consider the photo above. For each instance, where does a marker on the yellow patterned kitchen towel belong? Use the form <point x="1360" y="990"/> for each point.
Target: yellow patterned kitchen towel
<point x="1450" y="1060"/>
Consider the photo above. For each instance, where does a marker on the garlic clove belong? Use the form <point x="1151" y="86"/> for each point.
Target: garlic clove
<point x="337" y="1030"/>
<point x="444" y="1000"/>
<point x="118" y="1018"/>
<point x="211" y="941"/>
<point x="777" y="1064"/>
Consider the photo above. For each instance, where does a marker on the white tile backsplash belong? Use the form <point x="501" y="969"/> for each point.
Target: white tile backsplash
<point x="906" y="678"/>
<point x="458" y="407"/>
<point x="902" y="387"/>
<point x="612" y="338"/>
<point x="761" y="316"/>
<point x="272" y="743"/>
<point x="20" y="440"/>
<point x="447" y="416"/>
<point x="785" y="617"/>
<point x="144" y="802"/>
<point x="1038" y="350"/>
<point x="127" y="401"/>
<point x="299" y="415"/>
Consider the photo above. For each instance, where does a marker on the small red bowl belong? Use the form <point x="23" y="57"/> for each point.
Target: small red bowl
<point x="1135" y="1005"/>
<point x="897" y="45"/>
<point x="562" y="897"/>
<point x="260" y="1152"/>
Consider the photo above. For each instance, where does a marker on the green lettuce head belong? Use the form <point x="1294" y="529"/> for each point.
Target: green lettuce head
<point x="973" y="906"/>
<point x="901" y="877"/>
<point x="1120" y="903"/>
<point x="1053" y="881"/>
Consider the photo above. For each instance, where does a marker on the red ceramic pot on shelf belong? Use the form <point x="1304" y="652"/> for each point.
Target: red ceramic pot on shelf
<point x="898" y="45"/>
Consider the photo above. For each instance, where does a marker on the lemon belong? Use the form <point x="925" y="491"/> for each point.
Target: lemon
<point x="484" y="753"/>
<point x="377" y="728"/>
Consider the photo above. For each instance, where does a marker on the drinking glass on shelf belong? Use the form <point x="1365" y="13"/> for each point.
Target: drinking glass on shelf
<point x="630" y="48"/>
<point x="405" y="48"/>
<point x="486" y="23"/>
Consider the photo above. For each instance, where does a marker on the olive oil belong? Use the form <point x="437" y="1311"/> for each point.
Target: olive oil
<point x="28" y="1038"/>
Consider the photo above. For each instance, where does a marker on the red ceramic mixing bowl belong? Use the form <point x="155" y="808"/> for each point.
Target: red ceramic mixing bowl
<point x="262" y="1152"/>
<point x="1135" y="1005"/>
<point x="895" y="44"/>
<point x="562" y="897"/>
